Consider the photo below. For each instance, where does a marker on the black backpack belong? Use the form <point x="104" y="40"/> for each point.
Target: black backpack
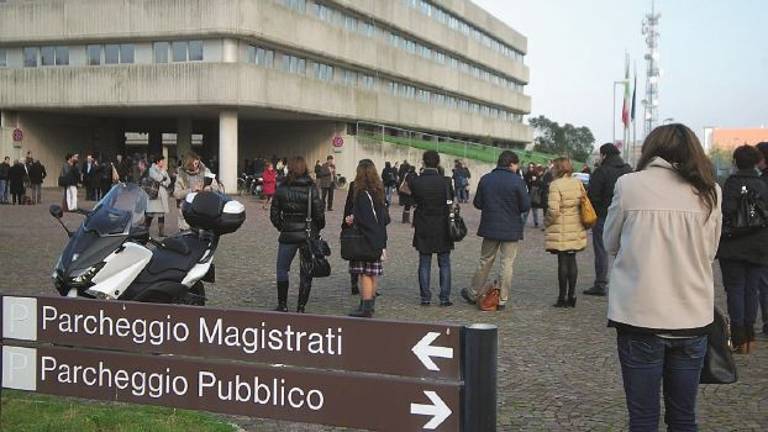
<point x="751" y="214"/>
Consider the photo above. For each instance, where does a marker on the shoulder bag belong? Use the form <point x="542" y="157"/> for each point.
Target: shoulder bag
<point x="355" y="246"/>
<point x="751" y="214"/>
<point x="149" y="185"/>
<point x="719" y="366"/>
<point x="313" y="261"/>
<point x="457" y="229"/>
<point x="405" y="188"/>
<point x="588" y="214"/>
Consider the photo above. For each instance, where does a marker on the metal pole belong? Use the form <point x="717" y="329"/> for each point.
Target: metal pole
<point x="613" y="119"/>
<point x="480" y="349"/>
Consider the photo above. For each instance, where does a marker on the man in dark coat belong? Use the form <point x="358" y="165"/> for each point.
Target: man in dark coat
<point x="601" y="185"/>
<point x="763" y="288"/>
<point x="5" y="167"/>
<point x="326" y="179"/>
<point x="432" y="193"/>
<point x="37" y="174"/>
<point x="90" y="178"/>
<point x="16" y="176"/>
<point x="502" y="199"/>
<point x="123" y="167"/>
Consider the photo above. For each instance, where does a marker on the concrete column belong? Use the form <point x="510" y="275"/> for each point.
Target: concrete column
<point x="228" y="150"/>
<point x="183" y="137"/>
<point x="229" y="51"/>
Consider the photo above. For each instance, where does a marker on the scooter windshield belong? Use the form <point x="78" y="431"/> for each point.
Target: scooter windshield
<point x="119" y="211"/>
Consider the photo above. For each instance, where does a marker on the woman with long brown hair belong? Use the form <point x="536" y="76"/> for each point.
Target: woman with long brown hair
<point x="663" y="227"/>
<point x="566" y="235"/>
<point x="369" y="213"/>
<point x="290" y="207"/>
<point x="191" y="178"/>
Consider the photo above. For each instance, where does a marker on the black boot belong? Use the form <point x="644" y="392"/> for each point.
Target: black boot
<point x="303" y="298"/>
<point x="282" y="297"/>
<point x="739" y="339"/>
<point x="366" y="311"/>
<point x="572" y="302"/>
<point x="406" y="217"/>
<point x="353" y="283"/>
<point x="560" y="303"/>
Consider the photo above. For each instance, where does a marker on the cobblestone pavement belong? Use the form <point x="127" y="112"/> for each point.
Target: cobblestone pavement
<point x="558" y="368"/>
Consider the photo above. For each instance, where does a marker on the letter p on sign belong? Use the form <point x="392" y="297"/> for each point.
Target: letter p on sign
<point x="20" y="368"/>
<point x="20" y="318"/>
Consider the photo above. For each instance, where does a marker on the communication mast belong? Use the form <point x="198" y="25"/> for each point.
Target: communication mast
<point x="651" y="101"/>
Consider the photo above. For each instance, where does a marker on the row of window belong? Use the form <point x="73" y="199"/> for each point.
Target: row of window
<point x="289" y="63"/>
<point x="110" y="54"/>
<point x="177" y="51"/>
<point x="414" y="47"/>
<point x="458" y="24"/>
<point x="351" y="23"/>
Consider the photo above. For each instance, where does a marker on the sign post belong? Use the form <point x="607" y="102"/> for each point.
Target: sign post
<point x="395" y="376"/>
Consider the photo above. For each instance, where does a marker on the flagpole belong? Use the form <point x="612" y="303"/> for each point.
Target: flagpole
<point x="634" y="123"/>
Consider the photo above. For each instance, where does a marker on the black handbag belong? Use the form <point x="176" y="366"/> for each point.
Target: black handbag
<point x="457" y="229"/>
<point x="355" y="246"/>
<point x="313" y="261"/>
<point x="149" y="185"/>
<point x="719" y="366"/>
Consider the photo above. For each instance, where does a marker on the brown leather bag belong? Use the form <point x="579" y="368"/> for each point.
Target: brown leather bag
<point x="489" y="299"/>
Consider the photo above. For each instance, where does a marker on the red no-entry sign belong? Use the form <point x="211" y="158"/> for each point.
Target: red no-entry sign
<point x="18" y="135"/>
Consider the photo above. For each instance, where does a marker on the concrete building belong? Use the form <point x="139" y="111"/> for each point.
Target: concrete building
<point x="253" y="77"/>
<point x="727" y="139"/>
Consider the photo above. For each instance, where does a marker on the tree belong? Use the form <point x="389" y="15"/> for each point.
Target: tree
<point x="567" y="140"/>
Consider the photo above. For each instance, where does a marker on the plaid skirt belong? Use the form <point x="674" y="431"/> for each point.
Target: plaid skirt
<point x="375" y="268"/>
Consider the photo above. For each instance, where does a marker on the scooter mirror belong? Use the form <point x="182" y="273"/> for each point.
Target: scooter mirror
<point x="56" y="211"/>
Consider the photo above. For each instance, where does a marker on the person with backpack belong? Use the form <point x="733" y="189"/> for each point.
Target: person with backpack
<point x="601" y="185"/>
<point x="763" y="287"/>
<point x="389" y="178"/>
<point x="743" y="252"/>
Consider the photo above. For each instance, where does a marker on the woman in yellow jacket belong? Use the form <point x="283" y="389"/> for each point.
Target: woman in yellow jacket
<point x="566" y="234"/>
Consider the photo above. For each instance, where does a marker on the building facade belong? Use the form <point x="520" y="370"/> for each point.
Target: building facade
<point x="253" y="77"/>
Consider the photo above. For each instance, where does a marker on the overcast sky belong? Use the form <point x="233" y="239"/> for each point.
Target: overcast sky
<point x="714" y="59"/>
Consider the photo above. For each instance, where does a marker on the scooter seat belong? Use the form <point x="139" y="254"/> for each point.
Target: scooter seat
<point x="176" y="244"/>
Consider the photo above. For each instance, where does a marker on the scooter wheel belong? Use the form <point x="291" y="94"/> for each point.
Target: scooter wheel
<point x="194" y="297"/>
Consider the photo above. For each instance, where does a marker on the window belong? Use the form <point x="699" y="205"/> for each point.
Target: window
<point x="179" y="49"/>
<point x="127" y="53"/>
<point x="3" y="58"/>
<point x="47" y="56"/>
<point x="264" y="57"/>
<point x="94" y="55"/>
<point x="111" y="54"/>
<point x="196" y="51"/>
<point x="62" y="56"/>
<point x="323" y="72"/>
<point x="30" y="57"/>
<point x="160" y="50"/>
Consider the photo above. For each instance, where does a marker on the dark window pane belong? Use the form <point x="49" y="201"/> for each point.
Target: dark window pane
<point x="30" y="57"/>
<point x="161" y="51"/>
<point x="111" y="54"/>
<point x="126" y="53"/>
<point x="62" y="56"/>
<point x="47" y="56"/>
<point x="179" y="51"/>
<point x="3" y="58"/>
<point x="196" y="51"/>
<point x="94" y="55"/>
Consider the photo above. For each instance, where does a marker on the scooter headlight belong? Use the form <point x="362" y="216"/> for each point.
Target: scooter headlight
<point x="83" y="277"/>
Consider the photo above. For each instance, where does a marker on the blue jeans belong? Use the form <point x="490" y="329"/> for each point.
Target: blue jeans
<point x="741" y="281"/>
<point x="4" y="190"/>
<point x="425" y="272"/>
<point x="647" y="361"/>
<point x="601" y="255"/>
<point x="286" y="252"/>
<point x="388" y="194"/>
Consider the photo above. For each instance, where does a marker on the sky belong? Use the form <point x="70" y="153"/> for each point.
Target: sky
<point x="713" y="59"/>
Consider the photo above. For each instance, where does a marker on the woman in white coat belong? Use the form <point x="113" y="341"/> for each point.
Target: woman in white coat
<point x="158" y="207"/>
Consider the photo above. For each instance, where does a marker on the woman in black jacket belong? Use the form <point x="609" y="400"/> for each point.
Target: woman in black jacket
<point x="432" y="193"/>
<point x="16" y="176"/>
<point x="369" y="213"/>
<point x="743" y="258"/>
<point x="289" y="215"/>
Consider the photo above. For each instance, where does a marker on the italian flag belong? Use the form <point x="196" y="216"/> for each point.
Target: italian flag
<point x="627" y="97"/>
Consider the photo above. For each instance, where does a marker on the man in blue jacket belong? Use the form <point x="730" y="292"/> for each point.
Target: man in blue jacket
<point x="502" y="199"/>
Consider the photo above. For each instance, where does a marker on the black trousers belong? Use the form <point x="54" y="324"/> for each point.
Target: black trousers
<point x="567" y="273"/>
<point x="328" y="197"/>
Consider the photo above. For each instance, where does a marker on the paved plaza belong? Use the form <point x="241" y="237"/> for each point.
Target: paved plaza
<point x="557" y="368"/>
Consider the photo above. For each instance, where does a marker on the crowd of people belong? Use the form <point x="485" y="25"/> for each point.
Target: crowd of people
<point x="664" y="225"/>
<point x="22" y="180"/>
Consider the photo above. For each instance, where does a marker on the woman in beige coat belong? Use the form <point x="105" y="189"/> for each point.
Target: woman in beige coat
<point x="566" y="234"/>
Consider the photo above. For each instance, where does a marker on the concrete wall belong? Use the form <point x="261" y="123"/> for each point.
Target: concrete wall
<point x="220" y="85"/>
<point x="135" y="20"/>
<point x="310" y="139"/>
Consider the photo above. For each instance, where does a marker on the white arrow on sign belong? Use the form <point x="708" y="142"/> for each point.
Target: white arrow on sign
<point x="438" y="410"/>
<point x="425" y="351"/>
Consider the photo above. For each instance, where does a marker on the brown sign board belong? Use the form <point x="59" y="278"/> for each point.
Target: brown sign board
<point x="376" y="402"/>
<point x="359" y="345"/>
